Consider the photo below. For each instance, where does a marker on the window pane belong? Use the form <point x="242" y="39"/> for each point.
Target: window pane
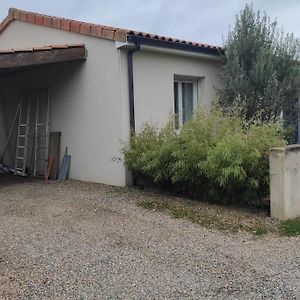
<point x="187" y="101"/>
<point x="176" y="105"/>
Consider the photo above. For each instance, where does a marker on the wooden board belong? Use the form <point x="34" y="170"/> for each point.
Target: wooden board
<point x="15" y="59"/>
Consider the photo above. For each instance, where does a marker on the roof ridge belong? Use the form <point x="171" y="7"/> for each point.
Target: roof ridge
<point x="91" y="29"/>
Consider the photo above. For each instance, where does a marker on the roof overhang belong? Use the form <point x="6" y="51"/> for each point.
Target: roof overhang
<point x="169" y="48"/>
<point x="189" y="47"/>
<point x="15" y="59"/>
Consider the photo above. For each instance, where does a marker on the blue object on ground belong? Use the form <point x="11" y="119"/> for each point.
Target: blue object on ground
<point x="3" y="169"/>
<point x="65" y="166"/>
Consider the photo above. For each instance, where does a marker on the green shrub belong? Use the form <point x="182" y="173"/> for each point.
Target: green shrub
<point x="150" y="154"/>
<point x="214" y="157"/>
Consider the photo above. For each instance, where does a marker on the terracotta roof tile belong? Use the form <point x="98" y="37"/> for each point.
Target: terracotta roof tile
<point x="23" y="16"/>
<point x="108" y="33"/>
<point x="48" y="21"/>
<point x="65" y="24"/>
<point x="39" y="20"/>
<point x="59" y="46"/>
<point x="85" y="28"/>
<point x="75" y="26"/>
<point x="16" y="14"/>
<point x="5" y="22"/>
<point x="95" y="30"/>
<point x="121" y="35"/>
<point x="56" y="23"/>
<point x="43" y="48"/>
<point x="31" y="18"/>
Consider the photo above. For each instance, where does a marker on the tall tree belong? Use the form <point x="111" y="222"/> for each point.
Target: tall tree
<point x="261" y="74"/>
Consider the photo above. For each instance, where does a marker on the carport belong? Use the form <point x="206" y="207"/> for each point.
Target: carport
<point x="30" y="81"/>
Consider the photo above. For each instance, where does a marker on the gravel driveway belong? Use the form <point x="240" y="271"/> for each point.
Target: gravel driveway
<point x="88" y="241"/>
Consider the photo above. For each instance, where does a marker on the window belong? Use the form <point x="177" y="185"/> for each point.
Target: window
<point x="185" y="100"/>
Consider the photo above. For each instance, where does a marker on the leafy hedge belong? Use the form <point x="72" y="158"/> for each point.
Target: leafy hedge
<point x="214" y="157"/>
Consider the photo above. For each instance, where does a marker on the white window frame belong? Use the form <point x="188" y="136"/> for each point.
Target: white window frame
<point x="179" y="82"/>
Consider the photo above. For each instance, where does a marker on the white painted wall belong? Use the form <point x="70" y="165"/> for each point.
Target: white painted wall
<point x="90" y="103"/>
<point x="154" y="83"/>
<point x="87" y="107"/>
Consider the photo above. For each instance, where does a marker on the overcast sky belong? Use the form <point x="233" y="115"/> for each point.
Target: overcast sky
<point x="197" y="20"/>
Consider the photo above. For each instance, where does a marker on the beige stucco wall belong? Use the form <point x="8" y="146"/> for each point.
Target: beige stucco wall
<point x="154" y="83"/>
<point x="284" y="182"/>
<point x="90" y="107"/>
<point x="90" y="104"/>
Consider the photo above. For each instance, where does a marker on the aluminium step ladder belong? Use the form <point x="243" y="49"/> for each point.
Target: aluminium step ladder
<point x="33" y="133"/>
<point x="42" y="134"/>
<point x="22" y="137"/>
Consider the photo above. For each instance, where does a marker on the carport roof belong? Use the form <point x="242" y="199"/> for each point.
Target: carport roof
<point x="12" y="59"/>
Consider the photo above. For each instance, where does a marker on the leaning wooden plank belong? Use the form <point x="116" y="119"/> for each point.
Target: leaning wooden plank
<point x="50" y="164"/>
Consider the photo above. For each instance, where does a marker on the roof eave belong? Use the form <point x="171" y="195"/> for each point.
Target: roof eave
<point x="173" y="45"/>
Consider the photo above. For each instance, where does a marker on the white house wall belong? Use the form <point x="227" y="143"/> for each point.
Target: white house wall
<point x="154" y="83"/>
<point x="88" y="108"/>
<point x="91" y="107"/>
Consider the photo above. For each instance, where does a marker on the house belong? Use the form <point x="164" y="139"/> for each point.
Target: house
<point x="97" y="85"/>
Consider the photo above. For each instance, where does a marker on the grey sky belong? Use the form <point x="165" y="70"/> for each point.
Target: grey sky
<point x="196" y="20"/>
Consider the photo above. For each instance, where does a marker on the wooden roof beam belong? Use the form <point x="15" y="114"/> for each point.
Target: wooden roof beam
<point x="41" y="56"/>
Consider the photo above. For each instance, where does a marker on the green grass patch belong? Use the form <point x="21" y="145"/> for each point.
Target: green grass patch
<point x="259" y="230"/>
<point x="213" y="219"/>
<point x="221" y="217"/>
<point x="290" y="227"/>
